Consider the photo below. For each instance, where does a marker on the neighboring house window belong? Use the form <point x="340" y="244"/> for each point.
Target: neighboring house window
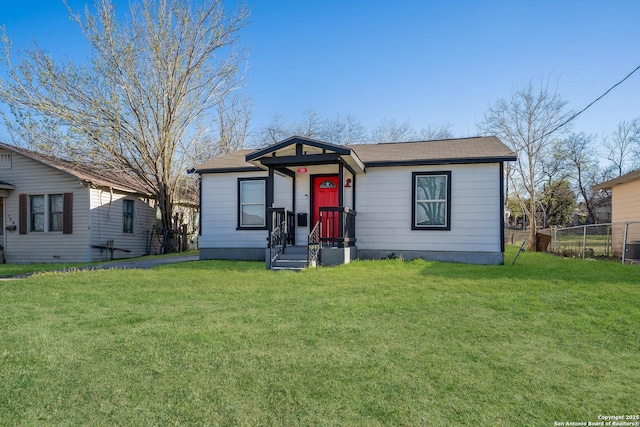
<point x="127" y="216"/>
<point x="5" y="160"/>
<point x="55" y="212"/>
<point x="36" y="210"/>
<point x="252" y="197"/>
<point x="431" y="201"/>
<point x="56" y="209"/>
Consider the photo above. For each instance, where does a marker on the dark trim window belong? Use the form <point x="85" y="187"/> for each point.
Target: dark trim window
<point x="127" y="216"/>
<point x="36" y="213"/>
<point x="56" y="206"/>
<point x="431" y="208"/>
<point x="252" y="203"/>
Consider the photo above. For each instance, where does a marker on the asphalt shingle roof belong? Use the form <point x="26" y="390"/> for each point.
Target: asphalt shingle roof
<point x="101" y="177"/>
<point x="450" y="150"/>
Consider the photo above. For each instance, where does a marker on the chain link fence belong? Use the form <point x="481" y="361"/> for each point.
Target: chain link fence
<point x="615" y="241"/>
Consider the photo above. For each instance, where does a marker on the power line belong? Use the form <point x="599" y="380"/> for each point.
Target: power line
<point x="593" y="102"/>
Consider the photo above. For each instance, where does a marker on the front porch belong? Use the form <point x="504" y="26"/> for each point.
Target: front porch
<point x="331" y="241"/>
<point x="310" y="200"/>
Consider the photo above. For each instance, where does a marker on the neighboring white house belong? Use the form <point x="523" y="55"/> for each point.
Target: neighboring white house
<point x="57" y="211"/>
<point x="440" y="200"/>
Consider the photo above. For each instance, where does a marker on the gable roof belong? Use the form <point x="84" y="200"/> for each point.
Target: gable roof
<point x="100" y="177"/>
<point x="338" y="149"/>
<point x="298" y="150"/>
<point x="607" y="185"/>
<point x="487" y="149"/>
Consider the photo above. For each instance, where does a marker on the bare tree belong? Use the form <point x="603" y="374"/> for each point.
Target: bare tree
<point x="347" y="130"/>
<point x="141" y="103"/>
<point x="620" y="146"/>
<point x="389" y="130"/>
<point x="528" y="122"/>
<point x="310" y="126"/>
<point x="344" y="130"/>
<point x="432" y="132"/>
<point x="584" y="170"/>
<point x="274" y="132"/>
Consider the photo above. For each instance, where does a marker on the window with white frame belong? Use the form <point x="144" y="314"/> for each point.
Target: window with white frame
<point x="41" y="212"/>
<point x="56" y="204"/>
<point x="431" y="201"/>
<point x="252" y="212"/>
<point x="5" y="160"/>
<point x="36" y="213"/>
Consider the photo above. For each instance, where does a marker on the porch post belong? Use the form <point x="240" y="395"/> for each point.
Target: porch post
<point x="353" y="191"/>
<point x="270" y="184"/>
<point x="269" y="198"/>
<point x="341" y="204"/>
<point x="293" y="195"/>
<point x="341" y="184"/>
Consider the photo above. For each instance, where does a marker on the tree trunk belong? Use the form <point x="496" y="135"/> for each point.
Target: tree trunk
<point x="532" y="244"/>
<point x="165" y="204"/>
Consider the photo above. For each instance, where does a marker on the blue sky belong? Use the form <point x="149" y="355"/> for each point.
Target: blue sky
<point x="422" y="61"/>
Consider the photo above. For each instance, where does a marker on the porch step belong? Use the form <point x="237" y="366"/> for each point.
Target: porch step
<point x="300" y="250"/>
<point x="293" y="258"/>
<point x="289" y="264"/>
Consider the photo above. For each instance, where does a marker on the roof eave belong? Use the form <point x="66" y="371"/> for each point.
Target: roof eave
<point x="229" y="170"/>
<point x="608" y="185"/>
<point x="449" y="161"/>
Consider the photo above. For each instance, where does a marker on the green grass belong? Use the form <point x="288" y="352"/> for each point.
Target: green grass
<point x="369" y="343"/>
<point x="9" y="270"/>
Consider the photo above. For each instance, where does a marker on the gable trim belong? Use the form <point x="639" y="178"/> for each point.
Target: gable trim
<point x="298" y="140"/>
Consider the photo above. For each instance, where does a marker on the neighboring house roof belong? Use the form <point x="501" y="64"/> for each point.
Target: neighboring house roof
<point x="486" y="149"/>
<point x="608" y="185"/>
<point x="6" y="186"/>
<point x="100" y="177"/>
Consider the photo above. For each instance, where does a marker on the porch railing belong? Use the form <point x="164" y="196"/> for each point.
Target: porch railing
<point x="281" y="231"/>
<point x="338" y="226"/>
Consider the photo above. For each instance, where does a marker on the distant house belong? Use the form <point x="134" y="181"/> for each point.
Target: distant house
<point x="58" y="211"/>
<point x="625" y="196"/>
<point x="625" y="208"/>
<point x="440" y="200"/>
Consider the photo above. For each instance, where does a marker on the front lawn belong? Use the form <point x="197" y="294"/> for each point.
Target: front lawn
<point x="370" y="343"/>
<point x="11" y="270"/>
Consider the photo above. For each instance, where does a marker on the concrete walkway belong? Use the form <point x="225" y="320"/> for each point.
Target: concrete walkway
<point x="142" y="263"/>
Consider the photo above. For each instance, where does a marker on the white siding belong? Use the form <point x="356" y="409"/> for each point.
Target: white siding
<point x="384" y="202"/>
<point x="107" y="224"/>
<point x="34" y="178"/>
<point x="220" y="207"/>
<point x="383" y="205"/>
<point x="219" y="200"/>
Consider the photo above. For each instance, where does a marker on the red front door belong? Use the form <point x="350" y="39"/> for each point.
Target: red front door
<point x="325" y="193"/>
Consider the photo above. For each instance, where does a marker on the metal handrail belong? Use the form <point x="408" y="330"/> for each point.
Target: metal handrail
<point x="276" y="243"/>
<point x="314" y="245"/>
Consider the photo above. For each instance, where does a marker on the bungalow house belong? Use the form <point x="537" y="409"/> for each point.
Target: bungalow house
<point x="625" y="208"/>
<point x="439" y="200"/>
<point x="57" y="211"/>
